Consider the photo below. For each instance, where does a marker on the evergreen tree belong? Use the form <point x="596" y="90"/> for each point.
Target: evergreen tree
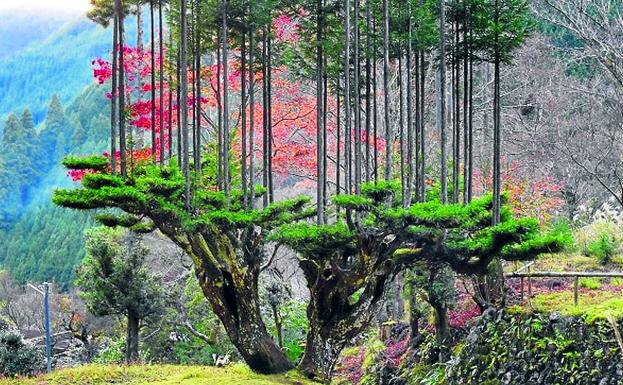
<point x="115" y="281"/>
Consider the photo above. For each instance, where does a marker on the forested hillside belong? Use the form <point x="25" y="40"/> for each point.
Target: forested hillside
<point x="63" y="113"/>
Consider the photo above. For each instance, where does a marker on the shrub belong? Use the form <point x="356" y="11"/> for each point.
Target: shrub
<point x="600" y="239"/>
<point x="17" y="358"/>
<point x="112" y="352"/>
<point x="603" y="248"/>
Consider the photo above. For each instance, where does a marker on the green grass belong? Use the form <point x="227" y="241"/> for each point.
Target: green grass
<point x="159" y="375"/>
<point x="597" y="306"/>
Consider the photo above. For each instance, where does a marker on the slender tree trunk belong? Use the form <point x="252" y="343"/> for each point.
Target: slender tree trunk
<point x="225" y="104"/>
<point x="347" y="101"/>
<point x="422" y="127"/>
<point x="470" y="150"/>
<point x="243" y="112"/>
<point x="152" y="43"/>
<point x="184" y="103"/>
<point x="178" y="113"/>
<point x="456" y="136"/>
<point x="132" y="337"/>
<point x="121" y="91"/>
<point x="466" y="172"/>
<point x="375" y="107"/>
<point x="197" y="144"/>
<point x="219" y="106"/>
<point x="265" y="117"/>
<point x="269" y="118"/>
<point x="278" y="324"/>
<point x="320" y="152"/>
<point x="357" y="101"/>
<point x="410" y="127"/>
<point x="161" y="78"/>
<point x="442" y="101"/>
<point x="140" y="27"/>
<point x="338" y="161"/>
<point x="251" y="116"/>
<point x="114" y="92"/>
<point x="401" y="123"/>
<point x="388" y="130"/>
<point x="497" y="183"/>
<point x="368" y="88"/>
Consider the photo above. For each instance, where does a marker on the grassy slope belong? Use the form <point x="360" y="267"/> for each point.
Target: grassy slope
<point x="159" y="375"/>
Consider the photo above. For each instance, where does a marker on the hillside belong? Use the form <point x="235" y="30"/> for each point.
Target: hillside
<point x="52" y="60"/>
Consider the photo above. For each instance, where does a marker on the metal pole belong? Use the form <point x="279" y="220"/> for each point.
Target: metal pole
<point x="48" y="342"/>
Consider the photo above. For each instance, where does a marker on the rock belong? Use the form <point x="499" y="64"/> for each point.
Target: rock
<point x="554" y="317"/>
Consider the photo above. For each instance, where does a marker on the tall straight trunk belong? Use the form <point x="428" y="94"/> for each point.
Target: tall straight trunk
<point x="170" y="121"/>
<point x="251" y="116"/>
<point x="243" y="113"/>
<point x="388" y="129"/>
<point x="197" y="144"/>
<point x="114" y="92"/>
<point x="466" y="173"/>
<point x="320" y="154"/>
<point x="347" y="101"/>
<point x="368" y="88"/>
<point x="219" y="105"/>
<point x="161" y="78"/>
<point x="132" y="337"/>
<point x="422" y="127"/>
<point x="497" y="182"/>
<point x="121" y="91"/>
<point x="269" y="118"/>
<point x="357" y="101"/>
<point x="418" y="118"/>
<point x="140" y="27"/>
<point x="442" y="101"/>
<point x="193" y="88"/>
<point x="140" y="45"/>
<point x="225" y="105"/>
<point x="152" y="43"/>
<point x="410" y="126"/>
<point x="325" y="108"/>
<point x="265" y="117"/>
<point x="470" y="150"/>
<point x="401" y="131"/>
<point x="178" y="74"/>
<point x="184" y="102"/>
<point x="375" y="108"/>
<point x="456" y="136"/>
<point x="338" y="161"/>
<point x="170" y="114"/>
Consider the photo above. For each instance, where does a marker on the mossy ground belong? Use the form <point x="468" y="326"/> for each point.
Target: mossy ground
<point x="159" y="375"/>
<point x="594" y="305"/>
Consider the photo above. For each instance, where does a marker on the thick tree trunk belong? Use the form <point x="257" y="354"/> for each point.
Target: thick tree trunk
<point x="321" y="354"/>
<point x="131" y="343"/>
<point x="324" y="341"/>
<point x="236" y="304"/>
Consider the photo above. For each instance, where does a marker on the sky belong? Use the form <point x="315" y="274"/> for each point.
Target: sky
<point x="68" y="6"/>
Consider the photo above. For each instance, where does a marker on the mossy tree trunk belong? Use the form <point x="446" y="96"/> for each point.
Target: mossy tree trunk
<point x="345" y="293"/>
<point x="231" y="288"/>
